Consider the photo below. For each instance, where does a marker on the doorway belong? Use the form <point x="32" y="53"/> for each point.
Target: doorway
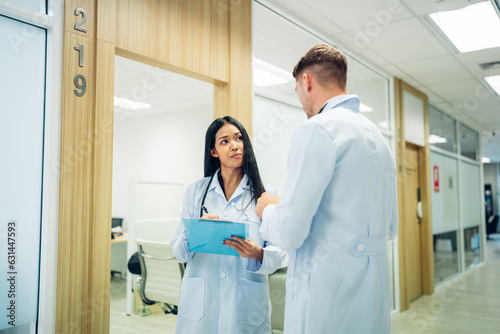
<point x="412" y="221"/>
<point x="160" y="120"/>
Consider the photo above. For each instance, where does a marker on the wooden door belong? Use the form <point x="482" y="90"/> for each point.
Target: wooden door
<point x="412" y="222"/>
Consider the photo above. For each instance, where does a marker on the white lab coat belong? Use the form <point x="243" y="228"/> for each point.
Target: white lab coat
<point x="223" y="293"/>
<point x="337" y="212"/>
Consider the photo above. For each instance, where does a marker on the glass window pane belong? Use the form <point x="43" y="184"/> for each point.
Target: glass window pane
<point x="445" y="216"/>
<point x="468" y="142"/>
<point x="471" y="211"/>
<point x="272" y="127"/>
<point x="277" y="47"/>
<point x="373" y="91"/>
<point x="21" y="150"/>
<point x="35" y="5"/>
<point x="279" y="44"/>
<point x="443" y="132"/>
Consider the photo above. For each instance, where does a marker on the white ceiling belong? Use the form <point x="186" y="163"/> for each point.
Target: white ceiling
<point x="167" y="92"/>
<point x="398" y="37"/>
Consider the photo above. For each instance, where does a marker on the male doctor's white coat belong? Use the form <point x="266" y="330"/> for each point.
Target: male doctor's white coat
<point x="337" y="213"/>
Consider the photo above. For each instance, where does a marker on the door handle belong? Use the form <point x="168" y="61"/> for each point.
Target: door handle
<point x="419" y="211"/>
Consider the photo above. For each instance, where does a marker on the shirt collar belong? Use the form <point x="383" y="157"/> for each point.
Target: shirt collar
<point x="348" y="99"/>
<point x="215" y="186"/>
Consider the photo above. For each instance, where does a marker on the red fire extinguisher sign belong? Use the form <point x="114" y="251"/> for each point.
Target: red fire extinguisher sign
<point x="436" y="179"/>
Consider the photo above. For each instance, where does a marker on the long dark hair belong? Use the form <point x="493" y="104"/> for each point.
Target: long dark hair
<point x="250" y="167"/>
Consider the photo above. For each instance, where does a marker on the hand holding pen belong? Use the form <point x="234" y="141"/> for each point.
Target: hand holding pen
<point x="208" y="215"/>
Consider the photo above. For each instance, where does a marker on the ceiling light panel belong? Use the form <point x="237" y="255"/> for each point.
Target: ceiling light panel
<point x="471" y="28"/>
<point x="494" y="83"/>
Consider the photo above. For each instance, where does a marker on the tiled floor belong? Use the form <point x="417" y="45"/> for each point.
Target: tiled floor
<point x="468" y="304"/>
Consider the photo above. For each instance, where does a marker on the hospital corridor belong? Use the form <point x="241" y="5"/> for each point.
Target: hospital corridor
<point x="250" y="166"/>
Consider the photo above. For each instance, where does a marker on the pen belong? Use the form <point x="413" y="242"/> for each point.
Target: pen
<point x="205" y="209"/>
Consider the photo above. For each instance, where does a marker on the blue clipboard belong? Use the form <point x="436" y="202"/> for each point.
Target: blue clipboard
<point x="207" y="236"/>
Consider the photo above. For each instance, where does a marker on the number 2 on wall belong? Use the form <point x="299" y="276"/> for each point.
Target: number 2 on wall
<point x="78" y="25"/>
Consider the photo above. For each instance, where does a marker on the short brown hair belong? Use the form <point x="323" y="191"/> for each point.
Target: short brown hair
<point x="326" y="63"/>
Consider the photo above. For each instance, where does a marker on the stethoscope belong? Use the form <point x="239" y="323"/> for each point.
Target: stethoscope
<point x="242" y="210"/>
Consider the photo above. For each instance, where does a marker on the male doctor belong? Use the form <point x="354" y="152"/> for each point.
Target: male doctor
<point x="338" y="209"/>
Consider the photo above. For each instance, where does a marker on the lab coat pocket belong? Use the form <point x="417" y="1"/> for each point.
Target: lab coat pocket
<point x="253" y="302"/>
<point x="192" y="299"/>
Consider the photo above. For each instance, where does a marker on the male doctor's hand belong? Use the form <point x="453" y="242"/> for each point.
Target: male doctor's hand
<point x="264" y="201"/>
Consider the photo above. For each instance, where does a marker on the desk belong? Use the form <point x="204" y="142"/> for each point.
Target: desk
<point x="122" y="238"/>
<point x="119" y="255"/>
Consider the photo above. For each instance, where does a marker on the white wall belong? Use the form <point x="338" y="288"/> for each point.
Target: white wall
<point x="163" y="147"/>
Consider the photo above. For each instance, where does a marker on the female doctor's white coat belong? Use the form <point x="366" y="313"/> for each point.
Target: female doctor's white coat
<point x="223" y="293"/>
<point x="337" y="213"/>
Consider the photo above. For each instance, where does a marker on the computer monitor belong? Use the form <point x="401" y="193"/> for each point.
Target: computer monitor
<point x="116" y="222"/>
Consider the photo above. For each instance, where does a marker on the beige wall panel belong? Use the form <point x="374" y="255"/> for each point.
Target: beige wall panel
<point x="75" y="202"/>
<point x="100" y="251"/>
<point x="400" y="147"/>
<point x="236" y="101"/>
<point x="188" y="34"/>
<point x="241" y="43"/>
<point x="70" y="19"/>
<point x="425" y="191"/>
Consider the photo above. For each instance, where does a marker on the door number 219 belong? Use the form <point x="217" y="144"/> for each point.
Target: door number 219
<point x="80" y="80"/>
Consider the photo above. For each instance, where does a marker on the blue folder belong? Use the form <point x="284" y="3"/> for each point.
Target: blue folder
<point x="207" y="236"/>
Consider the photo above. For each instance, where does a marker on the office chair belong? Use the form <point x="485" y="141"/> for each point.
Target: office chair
<point x="492" y="225"/>
<point x="161" y="274"/>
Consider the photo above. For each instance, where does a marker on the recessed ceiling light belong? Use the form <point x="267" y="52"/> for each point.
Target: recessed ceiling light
<point x="435" y="139"/>
<point x="485" y="159"/>
<point x="122" y="102"/>
<point x="472" y="28"/>
<point x="266" y="74"/>
<point x="494" y="83"/>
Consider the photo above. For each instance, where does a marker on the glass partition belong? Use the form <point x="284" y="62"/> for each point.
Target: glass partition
<point x="35" y="5"/>
<point x="373" y="91"/>
<point x="443" y="130"/>
<point x="22" y="114"/>
<point x="278" y="44"/>
<point x="273" y="123"/>
<point x="445" y="216"/>
<point x="468" y="142"/>
<point x="471" y="211"/>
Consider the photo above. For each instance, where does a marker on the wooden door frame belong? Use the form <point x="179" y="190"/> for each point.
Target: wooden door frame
<point x="209" y="40"/>
<point x="427" y="251"/>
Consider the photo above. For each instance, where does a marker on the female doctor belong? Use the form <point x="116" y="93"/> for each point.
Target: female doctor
<point x="224" y="293"/>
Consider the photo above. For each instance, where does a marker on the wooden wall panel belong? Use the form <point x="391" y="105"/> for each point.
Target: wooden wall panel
<point x="241" y="44"/>
<point x="75" y="200"/>
<point x="236" y="101"/>
<point x="100" y="251"/>
<point x="400" y="147"/>
<point x="188" y="34"/>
